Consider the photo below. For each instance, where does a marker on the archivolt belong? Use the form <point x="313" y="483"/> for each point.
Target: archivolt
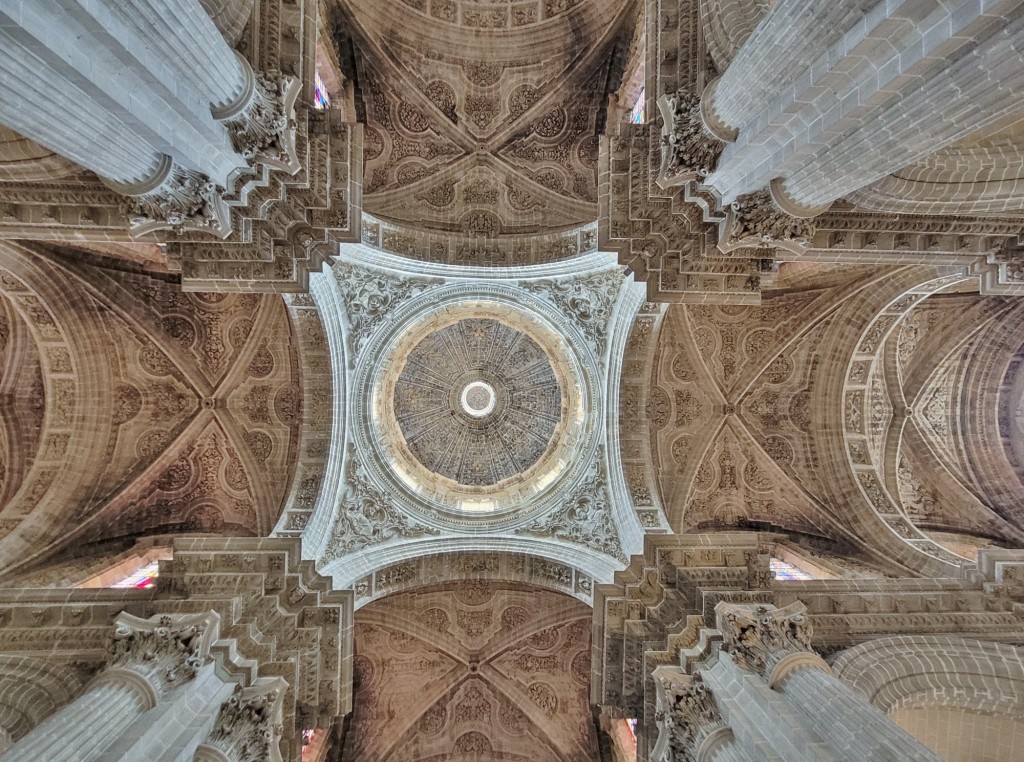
<point x="727" y="24"/>
<point x="922" y="671"/>
<point x="32" y="690"/>
<point x="78" y="414"/>
<point x="983" y="175"/>
<point x="24" y="160"/>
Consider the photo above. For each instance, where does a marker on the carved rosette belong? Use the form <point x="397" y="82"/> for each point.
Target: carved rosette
<point x="690" y="150"/>
<point x="263" y="128"/>
<point x="166" y="651"/>
<point x="759" y="637"/>
<point x="755" y="218"/>
<point x="248" y="727"/>
<point x="690" y="716"/>
<point x="182" y="200"/>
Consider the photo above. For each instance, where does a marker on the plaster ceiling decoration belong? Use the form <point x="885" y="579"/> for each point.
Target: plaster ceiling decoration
<point x="477" y="412"/>
<point x="478" y="402"/>
<point x="478" y="671"/>
<point x="194" y="405"/>
<point x="482" y="119"/>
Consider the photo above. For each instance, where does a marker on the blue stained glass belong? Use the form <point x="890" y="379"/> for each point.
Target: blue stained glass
<point x="321" y="98"/>
<point x="638" y="115"/>
<point x="785" y="570"/>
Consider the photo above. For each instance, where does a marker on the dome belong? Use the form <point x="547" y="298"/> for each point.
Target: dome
<point x="477" y="402"/>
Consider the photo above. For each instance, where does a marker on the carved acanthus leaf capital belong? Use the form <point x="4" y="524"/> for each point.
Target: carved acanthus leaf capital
<point x="248" y="727"/>
<point x="756" y="218"/>
<point x="166" y="651"/>
<point x="262" y="124"/>
<point x="689" y="148"/>
<point x="759" y="637"/>
<point x="179" y="199"/>
<point x="689" y="716"/>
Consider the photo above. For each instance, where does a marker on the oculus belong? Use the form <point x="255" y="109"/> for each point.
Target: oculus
<point x="477" y="402"/>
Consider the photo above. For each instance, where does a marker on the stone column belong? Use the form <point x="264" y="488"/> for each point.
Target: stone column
<point x="774" y="644"/>
<point x="824" y="98"/>
<point x="198" y="63"/>
<point x="148" y="660"/>
<point x="150" y="97"/>
<point x="248" y="726"/>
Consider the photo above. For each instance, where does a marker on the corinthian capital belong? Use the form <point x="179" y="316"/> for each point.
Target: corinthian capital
<point x="691" y="152"/>
<point x="175" y="198"/>
<point x="262" y="121"/>
<point x="688" y="714"/>
<point x="755" y="218"/>
<point x="248" y="727"/>
<point x="760" y="637"/>
<point x="166" y="651"/>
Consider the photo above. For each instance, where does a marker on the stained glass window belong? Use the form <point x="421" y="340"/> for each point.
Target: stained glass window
<point x="144" y="576"/>
<point x="638" y="115"/>
<point x="321" y="98"/>
<point x="785" y="570"/>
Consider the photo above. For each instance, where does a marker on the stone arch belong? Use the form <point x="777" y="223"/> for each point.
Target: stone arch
<point x="983" y="174"/>
<point x="727" y="24"/>
<point x="78" y="410"/>
<point x="849" y="348"/>
<point x="936" y="670"/>
<point x="463" y="566"/>
<point x="24" y="160"/>
<point x="946" y="691"/>
<point x="30" y="691"/>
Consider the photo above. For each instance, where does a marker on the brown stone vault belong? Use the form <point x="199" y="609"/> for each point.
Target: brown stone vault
<point x="476" y="371"/>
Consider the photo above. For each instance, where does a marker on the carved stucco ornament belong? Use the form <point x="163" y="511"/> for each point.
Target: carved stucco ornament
<point x="370" y="296"/>
<point x="587" y="302"/>
<point x="759" y="638"/>
<point x="261" y="121"/>
<point x="689" y="716"/>
<point x="690" y="152"/>
<point x="367" y="516"/>
<point x="176" y="199"/>
<point x="755" y="218"/>
<point x="166" y="651"/>
<point x="584" y="518"/>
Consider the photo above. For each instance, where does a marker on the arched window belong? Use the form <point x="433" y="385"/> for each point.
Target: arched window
<point x="321" y="98"/>
<point x="787" y="571"/>
<point x="144" y="576"/>
<point x="638" y="114"/>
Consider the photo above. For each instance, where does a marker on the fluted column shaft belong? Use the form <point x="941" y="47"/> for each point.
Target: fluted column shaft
<point x="139" y="705"/>
<point x="83" y="729"/>
<point x="185" y="40"/>
<point x="65" y="118"/>
<point x="827" y="97"/>
<point x="792" y="33"/>
<point x="854" y="726"/>
<point x="979" y="88"/>
<point x="117" y="67"/>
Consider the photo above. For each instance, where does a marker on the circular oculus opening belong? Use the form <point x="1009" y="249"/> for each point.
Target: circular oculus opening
<point x="478" y="399"/>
